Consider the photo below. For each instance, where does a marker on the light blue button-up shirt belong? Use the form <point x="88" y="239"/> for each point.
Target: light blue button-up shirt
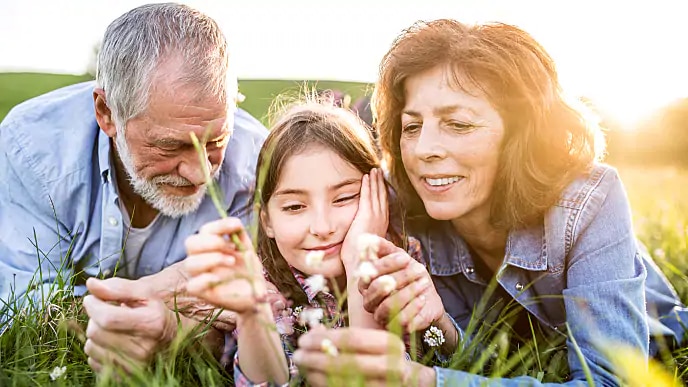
<point x="59" y="210"/>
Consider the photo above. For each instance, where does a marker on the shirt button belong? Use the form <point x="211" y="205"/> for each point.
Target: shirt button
<point x="469" y="270"/>
<point x="113" y="221"/>
<point x="519" y="286"/>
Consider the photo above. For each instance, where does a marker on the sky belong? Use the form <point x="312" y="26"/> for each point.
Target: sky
<point x="628" y="58"/>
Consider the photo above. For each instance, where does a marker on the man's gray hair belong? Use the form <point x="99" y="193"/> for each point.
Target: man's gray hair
<point x="136" y="43"/>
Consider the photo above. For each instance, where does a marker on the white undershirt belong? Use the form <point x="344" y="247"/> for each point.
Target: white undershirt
<point x="133" y="240"/>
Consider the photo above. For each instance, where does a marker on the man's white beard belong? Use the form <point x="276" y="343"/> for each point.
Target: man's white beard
<point x="150" y="190"/>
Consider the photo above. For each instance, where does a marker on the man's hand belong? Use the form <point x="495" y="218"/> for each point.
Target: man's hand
<point x="169" y="285"/>
<point x="127" y="324"/>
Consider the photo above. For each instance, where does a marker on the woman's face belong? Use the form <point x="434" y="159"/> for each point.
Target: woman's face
<point x="312" y="209"/>
<point x="450" y="143"/>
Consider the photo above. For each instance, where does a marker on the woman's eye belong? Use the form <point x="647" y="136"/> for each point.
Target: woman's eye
<point x="410" y="128"/>
<point x="461" y="127"/>
<point x="346" y="198"/>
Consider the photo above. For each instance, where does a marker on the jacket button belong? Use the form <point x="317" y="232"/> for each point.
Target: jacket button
<point x="469" y="270"/>
<point x="519" y="286"/>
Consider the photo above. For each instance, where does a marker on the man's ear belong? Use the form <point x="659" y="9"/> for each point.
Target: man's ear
<point x="103" y="113"/>
<point x="265" y="223"/>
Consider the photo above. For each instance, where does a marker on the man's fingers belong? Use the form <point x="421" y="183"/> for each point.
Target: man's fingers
<point x="119" y="318"/>
<point x="104" y="356"/>
<point x="118" y="290"/>
<point x="134" y="347"/>
<point x="95" y="365"/>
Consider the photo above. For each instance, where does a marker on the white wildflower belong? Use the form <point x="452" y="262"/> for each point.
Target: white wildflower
<point x="297" y="311"/>
<point x="314" y="258"/>
<point x="328" y="347"/>
<point x="388" y="283"/>
<point x="57" y="373"/>
<point x="433" y="337"/>
<point x="366" y="270"/>
<point x="316" y="283"/>
<point x="368" y="246"/>
<point x="311" y="317"/>
<point x="659" y="253"/>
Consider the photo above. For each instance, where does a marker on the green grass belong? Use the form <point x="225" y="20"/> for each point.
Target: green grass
<point x="40" y="340"/>
<point x="18" y="87"/>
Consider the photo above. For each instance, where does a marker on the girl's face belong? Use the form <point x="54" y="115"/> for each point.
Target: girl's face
<point x="312" y="208"/>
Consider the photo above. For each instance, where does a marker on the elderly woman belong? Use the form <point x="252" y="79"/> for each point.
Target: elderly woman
<point x="500" y="178"/>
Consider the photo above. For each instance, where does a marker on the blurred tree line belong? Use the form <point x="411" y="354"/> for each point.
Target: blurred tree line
<point x="661" y="138"/>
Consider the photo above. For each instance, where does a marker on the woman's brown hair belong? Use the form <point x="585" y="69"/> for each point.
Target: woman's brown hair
<point x="547" y="142"/>
<point x="302" y="126"/>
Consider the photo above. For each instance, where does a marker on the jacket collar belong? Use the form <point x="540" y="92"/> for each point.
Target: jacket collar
<point x="447" y="253"/>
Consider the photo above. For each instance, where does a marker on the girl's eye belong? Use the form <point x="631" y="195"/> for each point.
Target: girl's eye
<point x="293" y="208"/>
<point x="346" y="198"/>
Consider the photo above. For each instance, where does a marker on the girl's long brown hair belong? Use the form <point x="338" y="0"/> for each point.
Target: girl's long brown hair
<point x="302" y="126"/>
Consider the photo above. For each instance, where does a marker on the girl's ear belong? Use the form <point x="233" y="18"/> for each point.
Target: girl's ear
<point x="265" y="223"/>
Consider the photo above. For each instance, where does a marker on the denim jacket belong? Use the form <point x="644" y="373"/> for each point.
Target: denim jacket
<point x="582" y="266"/>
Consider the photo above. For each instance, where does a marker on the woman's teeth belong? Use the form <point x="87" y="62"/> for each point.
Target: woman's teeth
<point x="442" y="181"/>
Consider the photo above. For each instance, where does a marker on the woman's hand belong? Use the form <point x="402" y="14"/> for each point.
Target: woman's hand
<point x="372" y="216"/>
<point x="340" y="356"/>
<point x="401" y="292"/>
<point x="221" y="274"/>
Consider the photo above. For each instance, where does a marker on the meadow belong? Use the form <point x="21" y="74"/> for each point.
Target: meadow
<point x="38" y="342"/>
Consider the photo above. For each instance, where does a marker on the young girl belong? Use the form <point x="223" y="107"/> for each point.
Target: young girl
<point x="322" y="190"/>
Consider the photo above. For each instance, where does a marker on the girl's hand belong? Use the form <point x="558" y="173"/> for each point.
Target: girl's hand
<point x="375" y="356"/>
<point x="219" y="272"/>
<point x="372" y="216"/>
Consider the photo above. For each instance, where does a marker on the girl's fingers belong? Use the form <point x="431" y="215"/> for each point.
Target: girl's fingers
<point x="226" y="227"/>
<point x="199" y="284"/>
<point x="200" y="263"/>
<point x="223" y="226"/>
<point x="208" y="243"/>
<point x="374" y="194"/>
<point x="364" y="200"/>
<point x="383" y="203"/>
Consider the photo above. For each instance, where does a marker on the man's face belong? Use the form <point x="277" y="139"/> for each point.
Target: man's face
<point x="158" y="154"/>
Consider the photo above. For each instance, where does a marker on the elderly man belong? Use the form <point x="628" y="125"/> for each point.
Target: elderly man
<point x="103" y="180"/>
